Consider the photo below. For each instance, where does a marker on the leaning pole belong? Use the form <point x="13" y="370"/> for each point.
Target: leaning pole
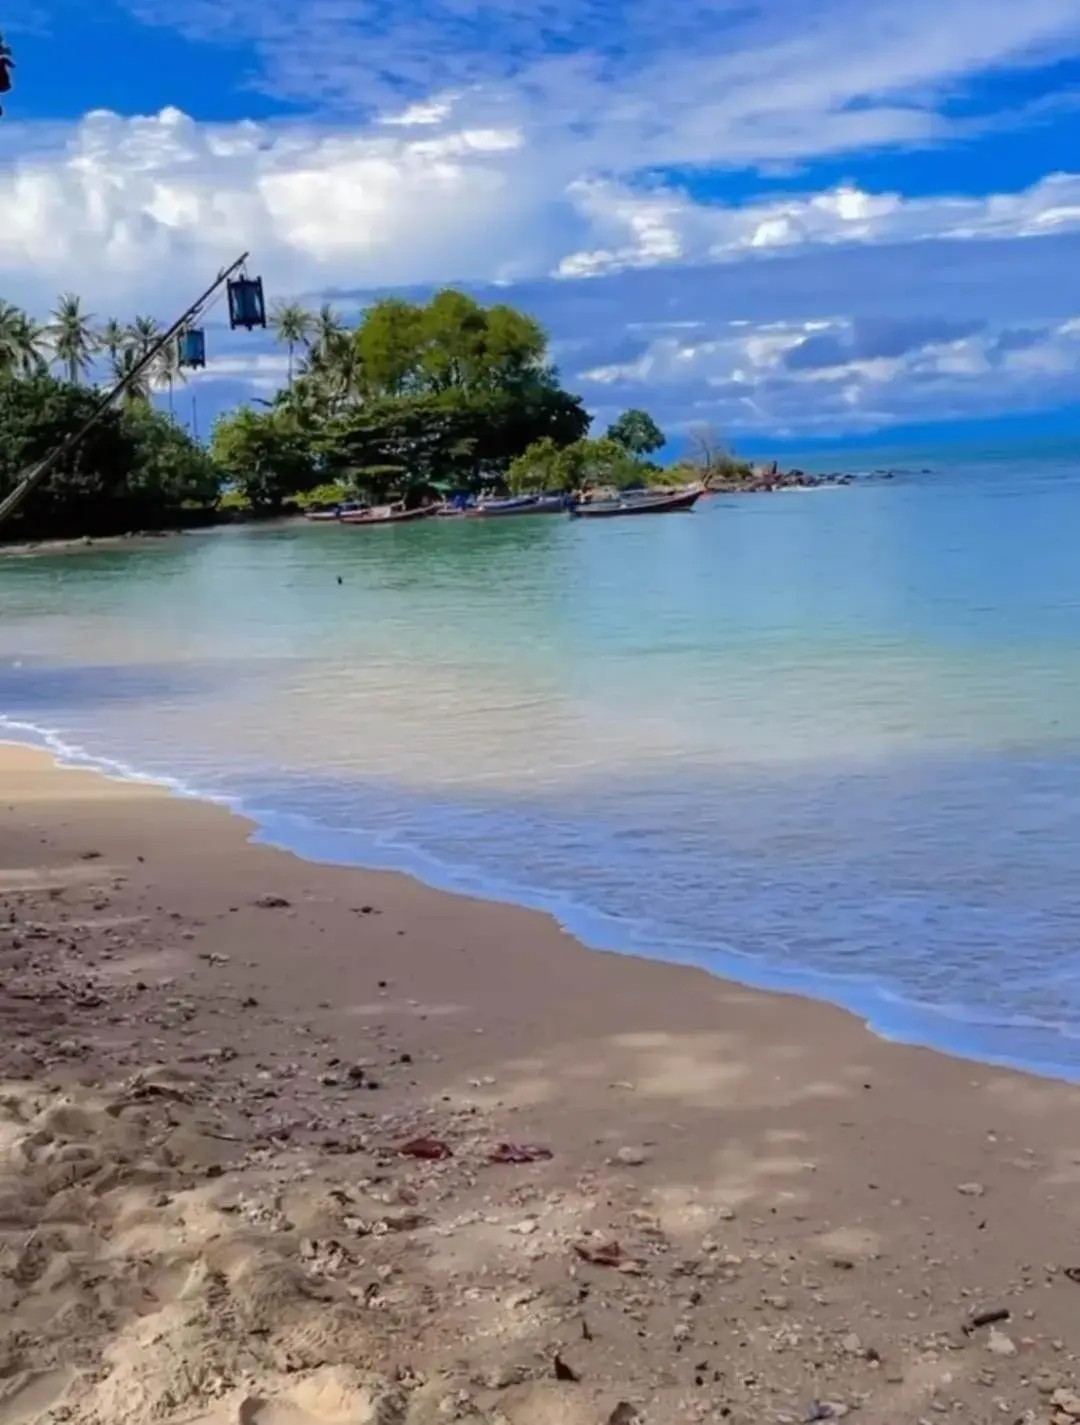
<point x="34" y="475"/>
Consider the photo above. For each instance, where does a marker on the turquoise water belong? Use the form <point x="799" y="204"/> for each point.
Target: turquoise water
<point x="827" y="741"/>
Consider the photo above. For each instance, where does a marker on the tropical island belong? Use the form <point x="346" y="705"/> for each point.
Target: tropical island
<point x="418" y="401"/>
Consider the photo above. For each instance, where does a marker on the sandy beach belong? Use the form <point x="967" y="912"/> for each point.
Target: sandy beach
<point x="285" y="1144"/>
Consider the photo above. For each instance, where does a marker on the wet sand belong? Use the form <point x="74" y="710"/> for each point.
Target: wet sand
<point x="753" y="1209"/>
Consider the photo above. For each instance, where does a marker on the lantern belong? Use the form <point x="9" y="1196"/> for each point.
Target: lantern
<point x="246" y="305"/>
<point x="192" y="347"/>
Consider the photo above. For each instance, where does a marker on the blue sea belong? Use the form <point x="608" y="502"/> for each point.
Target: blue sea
<point x="826" y="741"/>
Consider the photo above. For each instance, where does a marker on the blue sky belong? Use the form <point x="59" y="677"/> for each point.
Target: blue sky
<point x="794" y="222"/>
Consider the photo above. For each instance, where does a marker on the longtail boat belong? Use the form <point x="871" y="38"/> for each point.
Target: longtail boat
<point x="337" y="512"/>
<point x="636" y="505"/>
<point x="385" y="514"/>
<point x="522" y="505"/>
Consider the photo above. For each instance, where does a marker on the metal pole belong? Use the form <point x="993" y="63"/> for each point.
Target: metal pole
<point x="37" y="473"/>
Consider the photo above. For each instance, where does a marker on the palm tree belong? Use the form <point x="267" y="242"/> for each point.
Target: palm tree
<point x="292" y="325"/>
<point x="20" y="342"/>
<point x="9" y="327"/>
<point x="112" y="337"/>
<point x="124" y="364"/>
<point x="165" y="369"/>
<point x="31" y="344"/>
<point x="142" y="334"/>
<point x="71" y="333"/>
<point x="326" y="328"/>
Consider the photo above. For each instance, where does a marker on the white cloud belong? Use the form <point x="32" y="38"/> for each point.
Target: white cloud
<point x="161" y="201"/>
<point x="709" y="80"/>
<point x="643" y="229"/>
<point x="854" y="376"/>
<point x="265" y="372"/>
<point x="480" y="141"/>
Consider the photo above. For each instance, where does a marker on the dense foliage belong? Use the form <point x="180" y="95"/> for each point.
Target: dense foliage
<point x="418" y="399"/>
<point x="135" y="469"/>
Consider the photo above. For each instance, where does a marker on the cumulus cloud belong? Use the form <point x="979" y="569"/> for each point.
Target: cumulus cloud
<point x="505" y="142"/>
<point x="162" y="198"/>
<point x="645" y="229"/>
<point x="836" y="376"/>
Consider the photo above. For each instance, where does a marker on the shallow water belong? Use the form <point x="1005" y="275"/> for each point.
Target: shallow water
<point x="827" y="740"/>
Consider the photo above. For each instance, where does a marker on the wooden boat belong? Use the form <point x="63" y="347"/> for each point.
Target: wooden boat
<point x="646" y="504"/>
<point x="337" y="512"/>
<point x="522" y="505"/>
<point x="385" y="514"/>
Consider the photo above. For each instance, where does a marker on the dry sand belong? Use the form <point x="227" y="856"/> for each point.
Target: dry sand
<point x="754" y="1211"/>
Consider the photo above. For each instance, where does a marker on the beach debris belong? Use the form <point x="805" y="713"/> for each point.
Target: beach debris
<point x="427" y="1149"/>
<point x="633" y="1156"/>
<point x="970" y="1189"/>
<point x="1073" y="1273"/>
<point x="273" y="902"/>
<point x="563" y="1371"/>
<point x="624" y="1414"/>
<point x="607" y="1254"/>
<point x="1000" y="1344"/>
<point x="1067" y="1402"/>
<point x="989" y="1317"/>
<point x="400" y="1222"/>
<point x="520" y="1153"/>
<point x="91" y="856"/>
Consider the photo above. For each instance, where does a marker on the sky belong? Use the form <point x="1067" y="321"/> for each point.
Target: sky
<point x="793" y="222"/>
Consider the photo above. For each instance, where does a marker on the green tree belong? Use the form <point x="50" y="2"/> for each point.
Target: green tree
<point x="453" y="332"/>
<point x="327" y="329"/>
<point x="125" y="368"/>
<point x="142" y="334"/>
<point x="265" y="455"/>
<point x="135" y="468"/>
<point x="170" y="470"/>
<point x="71" y="334"/>
<point x="543" y="467"/>
<point x="606" y="462"/>
<point x="114" y="335"/>
<point x="389" y="343"/>
<point x="515" y="350"/>
<point x="444" y="393"/>
<point x="637" y="432"/>
<point x="165" y="369"/>
<point x="22" y="342"/>
<point x="292" y="325"/>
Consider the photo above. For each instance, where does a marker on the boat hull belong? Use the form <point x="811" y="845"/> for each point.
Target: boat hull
<point x="545" y="505"/>
<point x="381" y="517"/>
<point x="659" y="505"/>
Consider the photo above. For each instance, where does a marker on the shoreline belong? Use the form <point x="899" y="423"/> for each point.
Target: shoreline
<point x="663" y="1197"/>
<point x="776" y="1209"/>
<point x="585" y="925"/>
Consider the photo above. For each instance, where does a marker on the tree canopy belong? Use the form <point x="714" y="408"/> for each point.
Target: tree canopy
<point x="135" y="469"/>
<point x="419" y="396"/>
<point x="637" y="432"/>
<point x="440" y="396"/>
